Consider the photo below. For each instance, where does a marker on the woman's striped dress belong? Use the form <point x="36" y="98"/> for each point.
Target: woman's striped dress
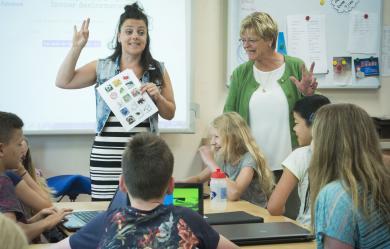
<point x="106" y="157"/>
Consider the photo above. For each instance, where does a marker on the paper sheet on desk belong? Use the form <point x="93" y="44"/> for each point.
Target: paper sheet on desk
<point x="306" y="40"/>
<point x="123" y="95"/>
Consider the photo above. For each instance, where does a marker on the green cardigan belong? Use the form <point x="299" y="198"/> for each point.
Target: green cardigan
<point x="243" y="85"/>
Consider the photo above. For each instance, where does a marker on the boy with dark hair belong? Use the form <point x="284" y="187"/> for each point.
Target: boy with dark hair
<point x="11" y="151"/>
<point x="147" y="168"/>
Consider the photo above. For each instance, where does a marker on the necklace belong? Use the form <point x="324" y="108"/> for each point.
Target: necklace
<point x="265" y="79"/>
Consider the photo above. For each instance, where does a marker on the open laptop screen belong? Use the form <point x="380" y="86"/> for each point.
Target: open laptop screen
<point x="119" y="200"/>
<point x="188" y="195"/>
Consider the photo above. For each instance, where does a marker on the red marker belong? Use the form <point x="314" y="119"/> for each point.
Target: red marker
<point x="365" y="16"/>
<point x="307" y="18"/>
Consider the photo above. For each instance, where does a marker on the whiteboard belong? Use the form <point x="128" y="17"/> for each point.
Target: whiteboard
<point x="336" y="33"/>
<point x="36" y="36"/>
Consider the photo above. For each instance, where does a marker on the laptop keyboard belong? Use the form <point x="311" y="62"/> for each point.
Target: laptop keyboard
<point x="77" y="220"/>
<point x="86" y="216"/>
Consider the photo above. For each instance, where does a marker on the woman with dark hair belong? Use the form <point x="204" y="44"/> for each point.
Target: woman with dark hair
<point x="131" y="51"/>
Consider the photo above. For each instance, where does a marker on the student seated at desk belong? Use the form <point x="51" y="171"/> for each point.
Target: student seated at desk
<point x="234" y="150"/>
<point x="351" y="190"/>
<point x="30" y="188"/>
<point x="11" y="137"/>
<point x="147" y="167"/>
<point x="297" y="163"/>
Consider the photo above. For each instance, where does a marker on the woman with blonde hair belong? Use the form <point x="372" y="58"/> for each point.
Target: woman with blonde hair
<point x="264" y="89"/>
<point x="11" y="236"/>
<point x="233" y="149"/>
<point x="348" y="180"/>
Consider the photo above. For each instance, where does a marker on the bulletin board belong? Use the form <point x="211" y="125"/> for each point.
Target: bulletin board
<point x="337" y="15"/>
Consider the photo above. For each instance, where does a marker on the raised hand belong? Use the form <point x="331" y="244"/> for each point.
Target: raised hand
<point x="207" y="155"/>
<point x="80" y="37"/>
<point x="308" y="83"/>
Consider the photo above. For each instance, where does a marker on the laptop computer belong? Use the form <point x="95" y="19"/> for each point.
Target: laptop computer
<point x="78" y="219"/>
<point x="191" y="195"/>
<point x="264" y="233"/>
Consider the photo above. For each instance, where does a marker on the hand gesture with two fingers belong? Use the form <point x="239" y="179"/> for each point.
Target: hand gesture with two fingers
<point x="308" y="84"/>
<point x="80" y="38"/>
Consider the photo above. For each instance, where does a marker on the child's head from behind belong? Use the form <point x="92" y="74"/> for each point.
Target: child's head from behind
<point x="11" y="236"/>
<point x="344" y="137"/>
<point x="11" y="138"/>
<point x="346" y="148"/>
<point x="229" y="136"/>
<point x="304" y="112"/>
<point x="147" y="166"/>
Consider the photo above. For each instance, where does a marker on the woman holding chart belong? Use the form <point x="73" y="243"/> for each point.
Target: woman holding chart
<point x="132" y="51"/>
<point x="264" y="89"/>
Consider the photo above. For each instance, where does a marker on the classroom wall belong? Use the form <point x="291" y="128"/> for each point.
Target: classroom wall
<point x="69" y="154"/>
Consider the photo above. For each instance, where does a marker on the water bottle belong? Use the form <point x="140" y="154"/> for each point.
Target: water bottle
<point x="218" y="190"/>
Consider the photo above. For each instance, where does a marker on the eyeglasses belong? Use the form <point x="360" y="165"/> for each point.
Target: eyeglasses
<point x="249" y="40"/>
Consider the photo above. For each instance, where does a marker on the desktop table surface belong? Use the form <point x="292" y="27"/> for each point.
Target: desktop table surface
<point x="231" y="206"/>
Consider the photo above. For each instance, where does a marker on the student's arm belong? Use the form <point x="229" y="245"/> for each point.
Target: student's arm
<point x="237" y="187"/>
<point x="202" y="177"/>
<point x="42" y="214"/>
<point x="330" y="243"/>
<point x="33" y="230"/>
<point x="208" y="160"/>
<point x="278" y="199"/>
<point x="30" y="197"/>
<point x="207" y="157"/>
<point x="67" y="76"/>
<point x="225" y="243"/>
<point x="29" y="192"/>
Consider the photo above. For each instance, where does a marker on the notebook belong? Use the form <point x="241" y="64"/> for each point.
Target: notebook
<point x="77" y="220"/>
<point x="191" y="195"/>
<point x="264" y="233"/>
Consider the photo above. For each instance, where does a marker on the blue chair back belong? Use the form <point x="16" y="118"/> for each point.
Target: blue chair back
<point x="70" y="185"/>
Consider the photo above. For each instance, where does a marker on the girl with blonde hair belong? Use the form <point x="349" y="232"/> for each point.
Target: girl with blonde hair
<point x="11" y="236"/>
<point x="233" y="149"/>
<point x="348" y="180"/>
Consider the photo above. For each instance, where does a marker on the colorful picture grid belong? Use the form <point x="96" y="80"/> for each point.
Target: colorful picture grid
<point x="122" y="94"/>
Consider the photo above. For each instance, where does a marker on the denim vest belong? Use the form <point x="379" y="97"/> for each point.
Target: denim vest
<point x="105" y="70"/>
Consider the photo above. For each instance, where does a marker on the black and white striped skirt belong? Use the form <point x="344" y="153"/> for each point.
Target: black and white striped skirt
<point x="106" y="157"/>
